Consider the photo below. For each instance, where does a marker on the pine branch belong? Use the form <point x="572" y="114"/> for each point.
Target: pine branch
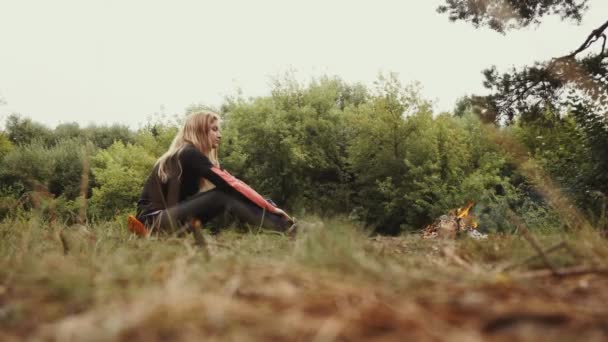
<point x="592" y="38"/>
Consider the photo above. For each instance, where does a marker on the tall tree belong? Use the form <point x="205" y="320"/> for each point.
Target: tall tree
<point x="23" y="131"/>
<point x="502" y="15"/>
<point x="572" y="87"/>
<point x="560" y="83"/>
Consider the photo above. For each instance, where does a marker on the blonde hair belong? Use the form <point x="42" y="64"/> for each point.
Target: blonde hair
<point x="195" y="131"/>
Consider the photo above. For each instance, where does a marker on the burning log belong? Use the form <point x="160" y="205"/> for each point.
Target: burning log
<point x="455" y="223"/>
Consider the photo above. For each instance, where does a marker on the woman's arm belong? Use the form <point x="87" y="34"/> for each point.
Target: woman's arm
<point x="202" y="167"/>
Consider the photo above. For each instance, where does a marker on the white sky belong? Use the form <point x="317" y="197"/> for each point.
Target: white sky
<point x="120" y="61"/>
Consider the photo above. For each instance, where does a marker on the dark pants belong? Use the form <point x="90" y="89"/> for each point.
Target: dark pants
<point x="205" y="206"/>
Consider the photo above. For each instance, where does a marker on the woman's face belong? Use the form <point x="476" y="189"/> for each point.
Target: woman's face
<point x="215" y="136"/>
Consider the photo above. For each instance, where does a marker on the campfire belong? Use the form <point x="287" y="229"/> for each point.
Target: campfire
<point x="455" y="223"/>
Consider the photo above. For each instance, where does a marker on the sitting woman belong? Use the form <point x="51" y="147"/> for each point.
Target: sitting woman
<point x="187" y="184"/>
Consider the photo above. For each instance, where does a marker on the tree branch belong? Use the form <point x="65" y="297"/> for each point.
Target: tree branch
<point x="593" y="37"/>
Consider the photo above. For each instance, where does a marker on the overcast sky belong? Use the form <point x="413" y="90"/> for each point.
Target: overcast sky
<point x="111" y="61"/>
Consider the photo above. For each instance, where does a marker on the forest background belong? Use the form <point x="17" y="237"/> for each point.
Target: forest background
<point x="375" y="154"/>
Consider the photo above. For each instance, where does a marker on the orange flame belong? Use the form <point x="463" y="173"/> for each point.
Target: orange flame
<point x="464" y="212"/>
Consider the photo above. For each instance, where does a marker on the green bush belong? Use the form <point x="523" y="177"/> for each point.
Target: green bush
<point x="379" y="155"/>
<point x="5" y="145"/>
<point x="156" y="138"/>
<point x="23" y="131"/>
<point x="120" y="172"/>
<point x="68" y="161"/>
<point x="104" y="136"/>
<point x="28" y="167"/>
<point x="291" y="146"/>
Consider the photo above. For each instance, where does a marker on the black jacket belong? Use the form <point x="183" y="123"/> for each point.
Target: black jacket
<point x="157" y="195"/>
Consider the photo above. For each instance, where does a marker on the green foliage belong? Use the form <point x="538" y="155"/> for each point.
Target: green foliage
<point x="104" y="136"/>
<point x="67" y="131"/>
<point x="592" y="124"/>
<point x="411" y="167"/>
<point x="67" y="211"/>
<point x="68" y="158"/>
<point x="507" y="14"/>
<point x="120" y="172"/>
<point x="379" y="155"/>
<point x="559" y="106"/>
<point x="23" y="131"/>
<point x="573" y="154"/>
<point x="446" y="163"/>
<point x="33" y="174"/>
<point x="5" y="145"/>
<point x="290" y="146"/>
<point x="56" y="169"/>
<point x="27" y="167"/>
<point x="380" y="144"/>
<point x="155" y="138"/>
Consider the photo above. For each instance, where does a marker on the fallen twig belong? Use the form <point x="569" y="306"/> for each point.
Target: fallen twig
<point x="531" y="239"/>
<point x="564" y="272"/>
<point x="534" y="257"/>
<point x="218" y="244"/>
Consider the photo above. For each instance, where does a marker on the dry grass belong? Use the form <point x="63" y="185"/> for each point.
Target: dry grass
<point x="328" y="284"/>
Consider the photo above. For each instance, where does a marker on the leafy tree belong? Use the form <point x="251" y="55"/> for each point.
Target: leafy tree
<point x="444" y="162"/>
<point x="23" y="131"/>
<point x="104" y="136"/>
<point x="27" y="168"/>
<point x="120" y="172"/>
<point x="594" y="129"/>
<point x="68" y="131"/>
<point x="5" y="145"/>
<point x="32" y="172"/>
<point x="290" y="146"/>
<point x="156" y="138"/>
<point x="502" y="15"/>
<point x="567" y="94"/>
<point x="566" y="150"/>
<point x="527" y="92"/>
<point x="379" y="155"/>
<point x="68" y="158"/>
<point x="378" y="147"/>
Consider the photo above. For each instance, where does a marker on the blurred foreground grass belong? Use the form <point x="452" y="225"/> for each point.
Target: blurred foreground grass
<point x="330" y="283"/>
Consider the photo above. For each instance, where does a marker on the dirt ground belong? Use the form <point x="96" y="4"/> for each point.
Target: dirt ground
<point x="266" y="288"/>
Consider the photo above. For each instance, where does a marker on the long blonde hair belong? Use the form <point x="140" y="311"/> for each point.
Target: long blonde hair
<point x="195" y="131"/>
